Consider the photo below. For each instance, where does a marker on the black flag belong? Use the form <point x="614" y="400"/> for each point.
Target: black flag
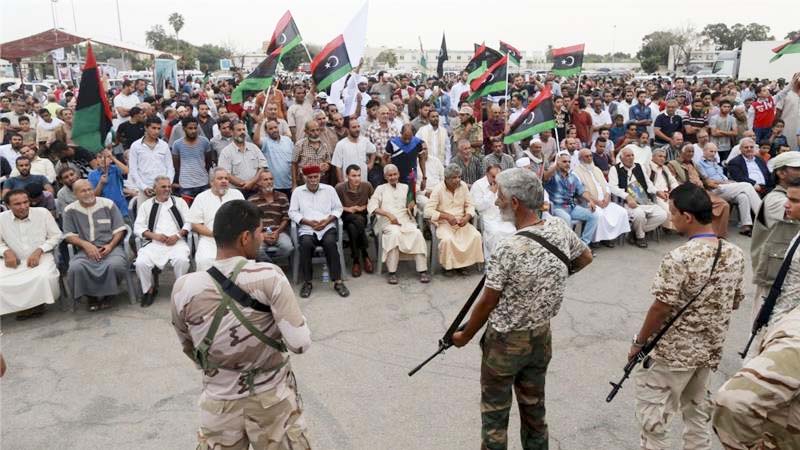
<point x="442" y="58"/>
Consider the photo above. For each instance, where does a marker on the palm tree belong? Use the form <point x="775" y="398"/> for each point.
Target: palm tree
<point x="176" y="20"/>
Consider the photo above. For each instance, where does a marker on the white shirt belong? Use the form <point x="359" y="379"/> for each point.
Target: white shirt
<point x="484" y="200"/>
<point x="641" y="155"/>
<point x="348" y="152"/>
<point x="613" y="182"/>
<point x="314" y="206"/>
<point x="24" y="236"/>
<point x="145" y="164"/>
<point x="599" y="119"/>
<point x="434" y="170"/>
<point x="455" y="94"/>
<point x="165" y="222"/>
<point x="437" y="141"/>
<point x="9" y="154"/>
<point x="206" y="204"/>
<point x="698" y="155"/>
<point x="123" y="101"/>
<point x="753" y="171"/>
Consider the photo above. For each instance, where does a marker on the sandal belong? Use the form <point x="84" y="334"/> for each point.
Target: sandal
<point x="341" y="289"/>
<point x="305" y="291"/>
<point x="92" y="304"/>
<point x="393" y="278"/>
<point x="424" y="277"/>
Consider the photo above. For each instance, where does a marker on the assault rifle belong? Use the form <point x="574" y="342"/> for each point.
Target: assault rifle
<point x="447" y="340"/>
<point x="643" y="354"/>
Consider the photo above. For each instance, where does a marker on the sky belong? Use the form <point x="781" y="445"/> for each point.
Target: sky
<point x="527" y="25"/>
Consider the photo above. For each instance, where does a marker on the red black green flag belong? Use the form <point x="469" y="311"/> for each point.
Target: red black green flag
<point x="330" y="64"/>
<point x="483" y="58"/>
<point x="286" y="35"/>
<point x="258" y="80"/>
<point x="491" y="81"/>
<point x="92" y="120"/>
<point x="792" y="46"/>
<point x="567" y="61"/>
<point x="514" y="55"/>
<point x="537" y="117"/>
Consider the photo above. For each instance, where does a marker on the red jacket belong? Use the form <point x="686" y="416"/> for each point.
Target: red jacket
<point x="765" y="112"/>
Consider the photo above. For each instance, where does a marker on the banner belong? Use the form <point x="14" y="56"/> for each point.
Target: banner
<point x="166" y="70"/>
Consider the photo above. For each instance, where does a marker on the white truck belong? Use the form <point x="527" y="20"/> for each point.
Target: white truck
<point x="753" y="61"/>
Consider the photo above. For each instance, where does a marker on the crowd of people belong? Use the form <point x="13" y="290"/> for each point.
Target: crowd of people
<point x="390" y="160"/>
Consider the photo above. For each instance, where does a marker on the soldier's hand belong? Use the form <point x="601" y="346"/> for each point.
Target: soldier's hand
<point x="460" y="339"/>
<point x="633" y="351"/>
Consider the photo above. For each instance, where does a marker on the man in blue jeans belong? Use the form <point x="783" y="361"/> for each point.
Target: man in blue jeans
<point x="565" y="189"/>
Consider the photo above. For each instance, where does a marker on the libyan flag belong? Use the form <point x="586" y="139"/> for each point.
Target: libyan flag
<point x="483" y="58"/>
<point x="792" y="46"/>
<point x="331" y="64"/>
<point x="92" y="120"/>
<point x="491" y="81"/>
<point x="567" y="61"/>
<point x="537" y="117"/>
<point x="514" y="55"/>
<point x="286" y="35"/>
<point x="259" y="79"/>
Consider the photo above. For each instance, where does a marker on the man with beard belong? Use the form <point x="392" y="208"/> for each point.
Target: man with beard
<point x="25" y="177"/>
<point x="421" y="119"/>
<point x="274" y="207"/>
<point x="356" y="149"/>
<point x="132" y="130"/>
<point x="67" y="176"/>
<point x="326" y="133"/>
<point x="435" y="137"/>
<point x="313" y="151"/>
<point x="695" y="122"/>
<point x="524" y="289"/>
<point x="566" y="192"/>
<point x="277" y="149"/>
<point x="11" y="151"/>
<point x="612" y="220"/>
<point x="469" y="130"/>
<point x="243" y="160"/>
<point x="484" y="194"/>
<point x="192" y="157"/>
<point x="338" y="127"/>
<point x="300" y="112"/>
<point x="458" y="88"/>
<point x="223" y="139"/>
<point x="494" y="127"/>
<point x="201" y="215"/>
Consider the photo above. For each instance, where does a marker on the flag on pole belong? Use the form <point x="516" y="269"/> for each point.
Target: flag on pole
<point x="567" y="61"/>
<point x="330" y="64"/>
<point x="792" y="46"/>
<point x="411" y="197"/>
<point x="441" y="58"/>
<point x="286" y="35"/>
<point x="514" y="55"/>
<point x="483" y="58"/>
<point x="259" y="79"/>
<point x="423" y="62"/>
<point x="491" y="81"/>
<point x="537" y="117"/>
<point x="92" y="120"/>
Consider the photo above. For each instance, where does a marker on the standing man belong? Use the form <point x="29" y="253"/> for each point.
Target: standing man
<point x="435" y="136"/>
<point x="192" y="157"/>
<point x="249" y="390"/>
<point x="148" y="158"/>
<point x="666" y="124"/>
<point x="356" y="149"/>
<point x="706" y="271"/>
<point x="498" y="157"/>
<point x="243" y="160"/>
<point x="278" y="150"/>
<point x="723" y="129"/>
<point x="123" y="103"/>
<point x="300" y="112"/>
<point x="524" y="289"/>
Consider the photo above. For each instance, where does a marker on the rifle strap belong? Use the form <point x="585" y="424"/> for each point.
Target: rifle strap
<point x="547" y="245"/>
<point x="777" y="285"/>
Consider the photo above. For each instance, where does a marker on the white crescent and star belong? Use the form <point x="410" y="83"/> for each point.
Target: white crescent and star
<point x="529" y="119"/>
<point x="282" y="39"/>
<point x="329" y="64"/>
<point x="571" y="60"/>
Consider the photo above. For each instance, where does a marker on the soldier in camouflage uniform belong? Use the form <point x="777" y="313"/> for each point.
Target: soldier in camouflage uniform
<point x="676" y="376"/>
<point x="524" y="289"/>
<point x="249" y="393"/>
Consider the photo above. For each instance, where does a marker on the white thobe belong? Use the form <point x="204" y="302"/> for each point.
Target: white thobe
<point x="202" y="212"/>
<point x="437" y="141"/>
<point x="23" y="288"/>
<point x="612" y="220"/>
<point x="434" y="170"/>
<point x="405" y="237"/>
<point x="158" y="254"/>
<point x="494" y="228"/>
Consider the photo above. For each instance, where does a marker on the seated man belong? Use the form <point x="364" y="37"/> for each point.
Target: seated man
<point x="742" y="193"/>
<point x="484" y="196"/>
<point x="94" y="226"/>
<point x="685" y="171"/>
<point x="67" y="176"/>
<point x="161" y="223"/>
<point x="749" y="168"/>
<point x="39" y="166"/>
<point x="274" y="207"/>
<point x="28" y="275"/>
<point x="434" y="170"/>
<point x="354" y="194"/>
<point x="471" y="166"/>
<point x="315" y="208"/>
<point x="565" y="190"/>
<point x="39" y="198"/>
<point x="628" y="182"/>
<point x="612" y="219"/>
<point x="397" y="226"/>
<point x="201" y="215"/>
<point x="25" y="177"/>
<point x="450" y="208"/>
<point x="663" y="180"/>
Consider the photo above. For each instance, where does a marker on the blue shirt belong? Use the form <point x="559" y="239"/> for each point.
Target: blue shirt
<point x="113" y="188"/>
<point x="193" y="173"/>
<point x="21" y="183"/>
<point x="639" y="112"/>
<point x="711" y="170"/>
<point x="279" y="160"/>
<point x="562" y="191"/>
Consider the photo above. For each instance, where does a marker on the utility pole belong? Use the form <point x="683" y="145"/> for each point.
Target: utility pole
<point x="53" y="10"/>
<point x="119" y="25"/>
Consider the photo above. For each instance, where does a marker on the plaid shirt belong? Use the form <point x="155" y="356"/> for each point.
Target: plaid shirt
<point x="306" y="155"/>
<point x="380" y="136"/>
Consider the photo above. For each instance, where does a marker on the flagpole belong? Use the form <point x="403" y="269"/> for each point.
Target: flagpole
<point x="307" y="52"/>
<point x="266" y="98"/>
<point x="508" y="66"/>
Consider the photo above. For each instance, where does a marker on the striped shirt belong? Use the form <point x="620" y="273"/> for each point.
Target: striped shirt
<point x="272" y="212"/>
<point x="193" y="171"/>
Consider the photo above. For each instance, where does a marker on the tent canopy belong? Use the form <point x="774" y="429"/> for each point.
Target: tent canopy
<point x="52" y="39"/>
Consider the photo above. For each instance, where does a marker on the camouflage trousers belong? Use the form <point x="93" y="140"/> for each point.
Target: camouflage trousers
<point x="660" y="392"/>
<point x="270" y="420"/>
<point x="518" y="359"/>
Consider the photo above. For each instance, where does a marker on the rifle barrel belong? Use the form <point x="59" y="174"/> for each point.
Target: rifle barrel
<point x="416" y="369"/>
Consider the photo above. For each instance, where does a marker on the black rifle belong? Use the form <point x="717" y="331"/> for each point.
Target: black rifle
<point x="764" y="314"/>
<point x="447" y="340"/>
<point x="643" y="354"/>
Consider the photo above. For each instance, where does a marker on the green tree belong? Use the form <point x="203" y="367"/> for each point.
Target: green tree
<point x="387" y="56"/>
<point x="792" y="35"/>
<point x="733" y="37"/>
<point x="157" y="38"/>
<point x="208" y="55"/>
<point x="176" y="21"/>
<point x="655" y="49"/>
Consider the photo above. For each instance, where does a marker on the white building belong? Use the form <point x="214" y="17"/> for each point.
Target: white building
<point x="408" y="59"/>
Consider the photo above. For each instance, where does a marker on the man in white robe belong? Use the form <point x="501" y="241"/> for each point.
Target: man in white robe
<point x="396" y="225"/>
<point x="28" y="275"/>
<point x="164" y="237"/>
<point x="201" y="215"/>
<point x="436" y="138"/>
<point x="663" y="180"/>
<point x="612" y="219"/>
<point x="484" y="196"/>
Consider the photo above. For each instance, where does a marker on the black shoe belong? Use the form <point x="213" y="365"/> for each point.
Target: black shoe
<point x="341" y="289"/>
<point x="609" y="244"/>
<point x="641" y="243"/>
<point x="147" y="299"/>
<point x="305" y="291"/>
<point x="594" y="245"/>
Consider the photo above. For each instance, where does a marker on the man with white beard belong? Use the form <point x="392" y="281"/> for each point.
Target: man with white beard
<point x="612" y="219"/>
<point x="201" y="215"/>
